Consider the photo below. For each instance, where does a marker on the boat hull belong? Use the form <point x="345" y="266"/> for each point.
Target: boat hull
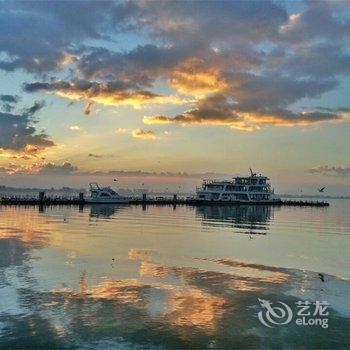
<point x="237" y="202"/>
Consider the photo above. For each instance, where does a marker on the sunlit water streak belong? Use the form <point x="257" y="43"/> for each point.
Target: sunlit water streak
<point x="170" y="277"/>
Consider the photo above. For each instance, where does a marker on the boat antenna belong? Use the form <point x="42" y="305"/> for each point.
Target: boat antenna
<point x="251" y="172"/>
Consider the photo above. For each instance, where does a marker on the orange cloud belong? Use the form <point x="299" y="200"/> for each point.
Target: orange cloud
<point x="132" y="98"/>
<point x="144" y="134"/>
<point x="111" y="94"/>
<point x="198" y="83"/>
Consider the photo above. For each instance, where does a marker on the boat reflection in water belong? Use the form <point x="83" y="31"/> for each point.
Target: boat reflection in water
<point x="249" y="219"/>
<point x="105" y="211"/>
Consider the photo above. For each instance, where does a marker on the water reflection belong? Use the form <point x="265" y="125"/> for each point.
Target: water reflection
<point x="152" y="297"/>
<point x="105" y="210"/>
<point x="206" y="310"/>
<point x="251" y="219"/>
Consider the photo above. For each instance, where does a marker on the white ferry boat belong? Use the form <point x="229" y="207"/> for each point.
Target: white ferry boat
<point x="104" y="195"/>
<point x="250" y="189"/>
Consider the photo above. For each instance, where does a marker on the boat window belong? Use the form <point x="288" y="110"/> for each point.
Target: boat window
<point x="104" y="195"/>
<point x="215" y="187"/>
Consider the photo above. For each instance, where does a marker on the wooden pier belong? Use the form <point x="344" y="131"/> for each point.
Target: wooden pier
<point x="43" y="200"/>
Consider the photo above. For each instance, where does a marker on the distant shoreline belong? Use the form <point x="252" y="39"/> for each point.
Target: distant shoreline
<point x="312" y="196"/>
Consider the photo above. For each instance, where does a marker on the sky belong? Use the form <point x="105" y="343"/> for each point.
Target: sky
<point x="166" y="93"/>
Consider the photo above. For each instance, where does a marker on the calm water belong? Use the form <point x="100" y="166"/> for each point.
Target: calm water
<point x="122" y="277"/>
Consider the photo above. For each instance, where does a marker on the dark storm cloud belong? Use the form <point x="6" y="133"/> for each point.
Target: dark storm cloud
<point x="17" y="132"/>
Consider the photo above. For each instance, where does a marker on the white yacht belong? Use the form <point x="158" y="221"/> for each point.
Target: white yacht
<point x="250" y="189"/>
<point x="104" y="195"/>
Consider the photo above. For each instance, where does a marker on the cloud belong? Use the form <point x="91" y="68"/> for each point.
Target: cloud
<point x="9" y="98"/>
<point x="39" y="37"/>
<point x="144" y="134"/>
<point x="112" y="93"/>
<point x="199" y="20"/>
<point x="41" y="169"/>
<point x="8" y="102"/>
<point x="323" y="20"/>
<point x="53" y="169"/>
<point x="92" y="155"/>
<point x="334" y="110"/>
<point x="218" y="110"/>
<point x="18" y="133"/>
<point x="330" y="170"/>
<point x="259" y="57"/>
<point x="68" y="169"/>
<point x="253" y="91"/>
<point x="75" y="128"/>
<point x="318" y="60"/>
<point x="139" y="67"/>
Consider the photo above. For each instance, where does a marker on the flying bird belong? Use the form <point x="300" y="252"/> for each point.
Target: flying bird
<point x="321" y="189"/>
<point x="115" y="180"/>
<point x="321" y="276"/>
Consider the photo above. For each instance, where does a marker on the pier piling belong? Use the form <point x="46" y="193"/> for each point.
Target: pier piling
<point x="41" y="196"/>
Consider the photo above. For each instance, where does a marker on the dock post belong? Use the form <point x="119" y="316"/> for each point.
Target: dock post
<point x="175" y="197"/>
<point x="144" y="197"/>
<point x="41" y="196"/>
<point x="81" y="197"/>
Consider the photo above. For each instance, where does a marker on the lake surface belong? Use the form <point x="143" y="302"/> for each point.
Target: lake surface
<point x="163" y="277"/>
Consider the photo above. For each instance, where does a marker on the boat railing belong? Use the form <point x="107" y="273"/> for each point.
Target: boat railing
<point x="216" y="181"/>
